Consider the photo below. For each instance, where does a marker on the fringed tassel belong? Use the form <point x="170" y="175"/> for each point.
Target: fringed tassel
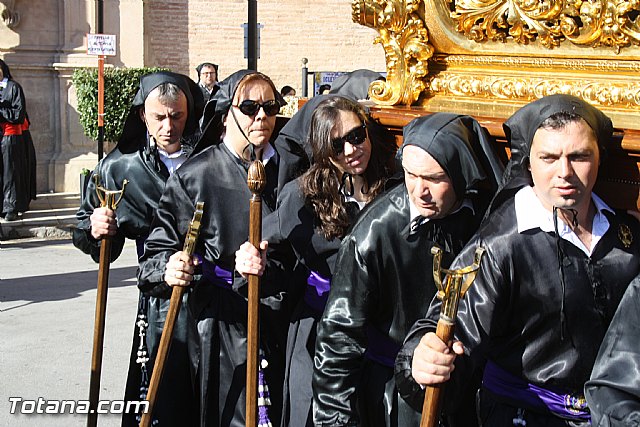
<point x="264" y="401"/>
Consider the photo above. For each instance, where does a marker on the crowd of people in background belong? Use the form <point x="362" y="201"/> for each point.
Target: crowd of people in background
<point x="348" y="306"/>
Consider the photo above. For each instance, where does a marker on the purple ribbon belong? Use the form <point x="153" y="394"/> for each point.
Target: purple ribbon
<point x="520" y="392"/>
<point x="317" y="291"/>
<point x="380" y="348"/>
<point x="215" y="274"/>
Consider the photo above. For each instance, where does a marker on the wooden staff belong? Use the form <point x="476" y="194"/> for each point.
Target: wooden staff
<point x="108" y="199"/>
<point x="174" y="309"/>
<point x="256" y="180"/>
<point x="454" y="288"/>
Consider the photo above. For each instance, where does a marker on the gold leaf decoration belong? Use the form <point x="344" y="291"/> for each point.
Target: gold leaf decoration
<point x="598" y="93"/>
<point x="595" y="23"/>
<point x="404" y="38"/>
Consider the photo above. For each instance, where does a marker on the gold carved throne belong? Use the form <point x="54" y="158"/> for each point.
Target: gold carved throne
<point x="487" y="58"/>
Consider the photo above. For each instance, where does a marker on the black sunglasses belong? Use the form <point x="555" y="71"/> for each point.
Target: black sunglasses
<point x="249" y="107"/>
<point x="355" y="136"/>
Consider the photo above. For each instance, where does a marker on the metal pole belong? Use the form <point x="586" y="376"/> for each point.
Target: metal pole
<point x="100" y="106"/>
<point x="100" y="25"/>
<point x="100" y="15"/>
<point x="252" y="34"/>
<point x="305" y="77"/>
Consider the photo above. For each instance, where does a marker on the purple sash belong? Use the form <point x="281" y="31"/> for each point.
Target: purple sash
<point x="216" y="275"/>
<point x="381" y="349"/>
<point x="519" y="392"/>
<point x="317" y="291"/>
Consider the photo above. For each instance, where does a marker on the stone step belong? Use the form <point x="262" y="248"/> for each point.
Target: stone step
<point x="55" y="201"/>
<point x="50" y="216"/>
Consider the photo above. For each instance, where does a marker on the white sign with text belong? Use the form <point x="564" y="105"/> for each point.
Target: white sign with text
<point x="101" y="44"/>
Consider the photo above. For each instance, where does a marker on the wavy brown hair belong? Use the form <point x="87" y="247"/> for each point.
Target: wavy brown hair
<point x="321" y="183"/>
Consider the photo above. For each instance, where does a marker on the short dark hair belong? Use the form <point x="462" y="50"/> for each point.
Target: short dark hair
<point x="285" y="90"/>
<point x="322" y="88"/>
<point x="562" y="119"/>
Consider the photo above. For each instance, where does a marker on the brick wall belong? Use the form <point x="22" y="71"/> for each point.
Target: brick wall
<point x="180" y="34"/>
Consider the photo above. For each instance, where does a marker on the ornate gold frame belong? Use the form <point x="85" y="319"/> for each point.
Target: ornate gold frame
<point x="489" y="57"/>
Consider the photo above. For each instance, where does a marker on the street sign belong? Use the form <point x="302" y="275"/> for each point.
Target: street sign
<point x="101" y="44"/>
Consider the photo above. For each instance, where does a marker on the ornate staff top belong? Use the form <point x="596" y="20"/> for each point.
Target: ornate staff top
<point x="194" y="229"/>
<point x="256" y="177"/>
<point x="454" y="286"/>
<point x="108" y="197"/>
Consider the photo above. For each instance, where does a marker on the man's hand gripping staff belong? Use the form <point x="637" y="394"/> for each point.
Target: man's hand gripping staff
<point x="455" y="285"/>
<point x="174" y="308"/>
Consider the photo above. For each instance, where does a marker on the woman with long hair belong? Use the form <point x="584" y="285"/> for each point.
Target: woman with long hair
<point x="352" y="161"/>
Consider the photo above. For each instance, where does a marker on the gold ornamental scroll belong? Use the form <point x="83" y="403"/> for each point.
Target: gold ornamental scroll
<point x="489" y="57"/>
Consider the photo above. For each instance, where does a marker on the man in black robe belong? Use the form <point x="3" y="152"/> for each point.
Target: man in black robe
<point x="155" y="140"/>
<point x="14" y="169"/>
<point x="557" y="263"/>
<point x="244" y="107"/>
<point x="383" y="278"/>
<point x="207" y="79"/>
<point x="613" y="392"/>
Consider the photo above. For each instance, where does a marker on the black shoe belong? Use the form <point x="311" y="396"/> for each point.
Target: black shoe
<point x="11" y="216"/>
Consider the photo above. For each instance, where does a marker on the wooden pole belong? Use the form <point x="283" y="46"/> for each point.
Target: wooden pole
<point x="256" y="180"/>
<point x="169" y="324"/>
<point x="455" y="286"/>
<point x="98" y="331"/>
<point x="108" y="200"/>
<point x="432" y="394"/>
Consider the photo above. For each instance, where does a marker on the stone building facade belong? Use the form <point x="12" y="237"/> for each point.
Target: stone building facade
<point x="44" y="41"/>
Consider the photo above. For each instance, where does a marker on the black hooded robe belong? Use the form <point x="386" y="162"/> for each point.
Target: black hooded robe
<point x="383" y="279"/>
<point x="300" y="248"/>
<point x="217" y="344"/>
<point x="511" y="314"/>
<point x="368" y="315"/>
<point x="14" y="171"/>
<point x="135" y="160"/>
<point x="539" y="306"/>
<point x="613" y="392"/>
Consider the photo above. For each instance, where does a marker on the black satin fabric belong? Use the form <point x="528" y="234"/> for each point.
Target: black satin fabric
<point x="613" y="392"/>
<point x="297" y="247"/>
<point x="355" y="85"/>
<point x="14" y="169"/>
<point x="293" y="144"/>
<point x="511" y="314"/>
<point x="136" y="160"/>
<point x="146" y="176"/>
<point x="217" y="343"/>
<point x="375" y="258"/>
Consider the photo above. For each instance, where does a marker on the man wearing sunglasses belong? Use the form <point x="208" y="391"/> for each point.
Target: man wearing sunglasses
<point x="383" y="278"/>
<point x="155" y="141"/>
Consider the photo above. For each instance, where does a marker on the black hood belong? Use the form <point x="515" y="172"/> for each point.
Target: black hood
<point x="210" y="64"/>
<point x="462" y="147"/>
<point x="354" y="85"/>
<point x="5" y="70"/>
<point x="522" y="126"/>
<point x="135" y="130"/>
<point x="218" y="106"/>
